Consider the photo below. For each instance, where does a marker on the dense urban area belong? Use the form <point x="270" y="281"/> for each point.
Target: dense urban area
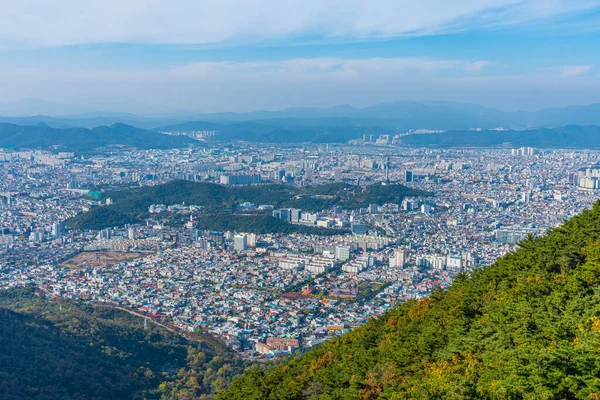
<point x="299" y="270"/>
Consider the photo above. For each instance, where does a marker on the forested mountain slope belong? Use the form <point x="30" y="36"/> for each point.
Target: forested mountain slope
<point x="527" y="327"/>
<point x="71" y="350"/>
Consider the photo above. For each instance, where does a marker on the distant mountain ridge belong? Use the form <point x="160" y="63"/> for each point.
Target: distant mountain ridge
<point x="42" y="136"/>
<point x="404" y="115"/>
<point x="572" y="136"/>
<point x="278" y="131"/>
<point x="342" y="123"/>
<point x="399" y="115"/>
<point x="339" y="124"/>
<point x="90" y="121"/>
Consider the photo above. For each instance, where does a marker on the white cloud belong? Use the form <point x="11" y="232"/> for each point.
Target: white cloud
<point x="477" y="65"/>
<point x="574" y="70"/>
<point x="320" y="82"/>
<point x="71" y="22"/>
<point x="335" y="66"/>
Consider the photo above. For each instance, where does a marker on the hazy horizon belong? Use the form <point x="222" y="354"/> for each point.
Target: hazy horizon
<point x="32" y="107"/>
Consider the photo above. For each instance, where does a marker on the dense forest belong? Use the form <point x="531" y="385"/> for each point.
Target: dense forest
<point x="66" y="350"/>
<point x="527" y="327"/>
<point x="131" y="206"/>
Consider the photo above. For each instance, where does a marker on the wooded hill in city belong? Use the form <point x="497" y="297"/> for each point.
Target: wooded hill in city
<point x="131" y="206"/>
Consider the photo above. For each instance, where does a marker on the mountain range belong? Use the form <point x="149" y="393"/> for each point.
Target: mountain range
<point x="571" y="136"/>
<point x="560" y="127"/>
<point x="42" y="136"/>
<point x="400" y="115"/>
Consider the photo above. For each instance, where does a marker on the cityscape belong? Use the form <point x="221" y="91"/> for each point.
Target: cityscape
<point x="268" y="294"/>
<point x="300" y="200"/>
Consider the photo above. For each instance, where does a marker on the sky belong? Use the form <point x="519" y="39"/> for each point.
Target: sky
<point x="160" y="57"/>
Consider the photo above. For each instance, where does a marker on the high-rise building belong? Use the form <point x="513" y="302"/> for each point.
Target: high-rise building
<point x="337" y="174"/>
<point x="288" y="214"/>
<point x="435" y="261"/>
<point x="217" y="237"/>
<point x="36" y="236"/>
<point x="295" y="214"/>
<point x="342" y="253"/>
<point x="285" y="214"/>
<point x="359" y="229"/>
<point x="400" y="257"/>
<point x="57" y="229"/>
<point x="408" y="176"/>
<point x="240" y="242"/>
<point x="308" y="174"/>
<point x="524" y="151"/>
<point x="309" y="217"/>
<point x="202" y="243"/>
<point x="251" y="240"/>
<point x="252" y="179"/>
<point x="513" y="235"/>
<point x="383" y="140"/>
<point x="387" y="169"/>
<point x="469" y="259"/>
<point x="454" y="262"/>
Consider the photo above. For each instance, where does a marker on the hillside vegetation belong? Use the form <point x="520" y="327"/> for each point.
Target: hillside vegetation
<point x="261" y="224"/>
<point x="81" y="351"/>
<point x="527" y="327"/>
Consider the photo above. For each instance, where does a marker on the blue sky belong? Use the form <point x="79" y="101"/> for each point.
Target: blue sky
<point x="151" y="56"/>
